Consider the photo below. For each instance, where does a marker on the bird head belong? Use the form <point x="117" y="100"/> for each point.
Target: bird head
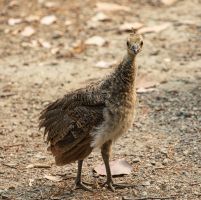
<point x="134" y="43"/>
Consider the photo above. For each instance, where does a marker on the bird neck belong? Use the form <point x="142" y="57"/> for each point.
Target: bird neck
<point x="127" y="70"/>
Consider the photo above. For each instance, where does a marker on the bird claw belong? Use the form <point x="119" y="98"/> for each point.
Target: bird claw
<point x="109" y="185"/>
<point x="82" y="185"/>
<point x="112" y="186"/>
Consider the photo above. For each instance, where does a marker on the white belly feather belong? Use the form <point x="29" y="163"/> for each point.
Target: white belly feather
<point x="112" y="127"/>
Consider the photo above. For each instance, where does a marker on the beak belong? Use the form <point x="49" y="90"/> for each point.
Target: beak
<point x="135" y="48"/>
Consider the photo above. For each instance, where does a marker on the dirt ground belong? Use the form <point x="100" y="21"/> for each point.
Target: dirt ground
<point x="164" y="145"/>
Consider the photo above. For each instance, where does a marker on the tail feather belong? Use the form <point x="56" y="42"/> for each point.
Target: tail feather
<point x="54" y="105"/>
<point x="46" y="123"/>
<point x="77" y="152"/>
<point x="49" y="113"/>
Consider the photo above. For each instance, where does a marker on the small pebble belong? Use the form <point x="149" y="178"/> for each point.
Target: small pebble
<point x="136" y="160"/>
<point x="164" y="151"/>
<point x="185" y="152"/>
<point x="146" y="183"/>
<point x="165" y="161"/>
<point x="144" y="193"/>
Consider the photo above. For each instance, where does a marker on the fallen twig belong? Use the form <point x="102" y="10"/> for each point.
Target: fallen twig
<point x="41" y="166"/>
<point x="38" y="165"/>
<point x="41" y="194"/>
<point x="9" y="165"/>
<point x="13" y="145"/>
<point x="7" y="95"/>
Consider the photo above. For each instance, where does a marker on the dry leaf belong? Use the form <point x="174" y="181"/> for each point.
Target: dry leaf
<point x="168" y="2"/>
<point x="32" y="18"/>
<point x="111" y="7"/>
<point x="53" y="178"/>
<point x="144" y="84"/>
<point x="118" y="167"/>
<point x="147" y="84"/>
<point x="129" y="26"/>
<point x="14" y="21"/>
<point x="68" y="22"/>
<point x="47" y="20"/>
<point x="96" y="40"/>
<point x="156" y="29"/>
<point x="51" y="4"/>
<point x="44" y="44"/>
<point x="105" y="64"/>
<point x="100" y="16"/>
<point x="28" y="31"/>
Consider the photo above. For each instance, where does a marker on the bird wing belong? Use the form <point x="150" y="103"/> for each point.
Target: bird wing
<point x="70" y="119"/>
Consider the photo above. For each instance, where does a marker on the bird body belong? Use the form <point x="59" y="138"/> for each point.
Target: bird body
<point x="119" y="104"/>
<point x="93" y="116"/>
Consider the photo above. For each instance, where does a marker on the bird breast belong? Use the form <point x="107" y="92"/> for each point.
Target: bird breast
<point x="118" y="118"/>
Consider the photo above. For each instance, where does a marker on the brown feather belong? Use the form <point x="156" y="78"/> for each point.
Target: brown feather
<point x="68" y="123"/>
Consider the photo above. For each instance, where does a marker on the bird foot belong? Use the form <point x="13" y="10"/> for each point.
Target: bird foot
<point x="112" y="186"/>
<point x="82" y="185"/>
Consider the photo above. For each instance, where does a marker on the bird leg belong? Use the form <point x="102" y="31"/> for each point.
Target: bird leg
<point x="78" y="183"/>
<point x="105" y="151"/>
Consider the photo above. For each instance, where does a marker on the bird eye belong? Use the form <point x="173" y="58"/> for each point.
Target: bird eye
<point x="127" y="43"/>
<point x="141" y="43"/>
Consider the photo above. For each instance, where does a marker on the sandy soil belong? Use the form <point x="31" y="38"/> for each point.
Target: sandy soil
<point x="164" y="145"/>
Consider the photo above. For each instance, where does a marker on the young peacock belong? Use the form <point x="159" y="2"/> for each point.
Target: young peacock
<point x="94" y="116"/>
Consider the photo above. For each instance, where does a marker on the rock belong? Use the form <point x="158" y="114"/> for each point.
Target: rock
<point x="27" y="31"/>
<point x="105" y="64"/>
<point x="153" y="162"/>
<point x="164" y="151"/>
<point x="165" y="161"/>
<point x="144" y="193"/>
<point x="136" y="160"/>
<point x="47" y="20"/>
